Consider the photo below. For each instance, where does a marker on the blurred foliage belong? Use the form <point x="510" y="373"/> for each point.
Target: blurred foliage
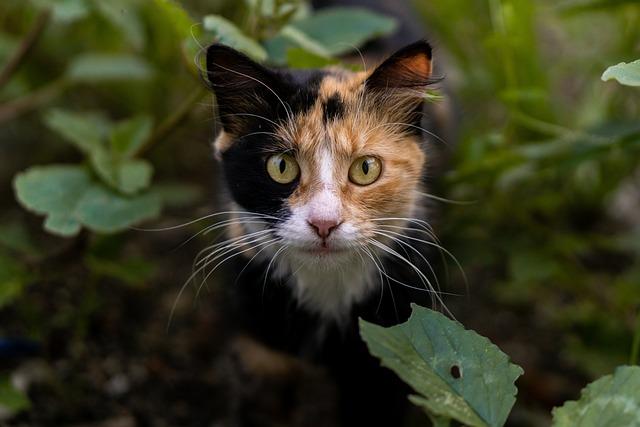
<point x="545" y="150"/>
<point x="101" y="118"/>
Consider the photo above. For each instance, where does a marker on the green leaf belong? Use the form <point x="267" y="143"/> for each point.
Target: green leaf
<point x="178" y="194"/>
<point x="227" y="33"/>
<point x="96" y="68"/>
<point x="84" y="130"/>
<point x="128" y="136"/>
<point x="611" y="401"/>
<point x="457" y="373"/>
<point x="12" y="400"/>
<point x="304" y="41"/>
<point x="300" y="58"/>
<point x="53" y="191"/>
<point x="133" y="272"/>
<point x="180" y="19"/>
<point x="134" y="176"/>
<point x="69" y="198"/>
<point x="126" y="176"/>
<point x="626" y="74"/>
<point x="103" y="210"/>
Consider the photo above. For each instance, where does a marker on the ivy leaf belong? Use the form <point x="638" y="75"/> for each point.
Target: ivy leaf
<point x="227" y="33"/>
<point x="12" y="400"/>
<point x="457" y="373"/>
<point x="97" y="68"/>
<point x="128" y="136"/>
<point x="626" y="74"/>
<point x="70" y="199"/>
<point x="613" y="400"/>
<point x="84" y="130"/>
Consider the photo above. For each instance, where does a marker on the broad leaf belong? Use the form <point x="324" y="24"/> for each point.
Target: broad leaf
<point x="12" y="400"/>
<point x="457" y="373"/>
<point x="300" y="58"/>
<point x="126" y="176"/>
<point x="227" y="33"/>
<point x="611" y="401"/>
<point x="103" y="210"/>
<point x="95" y="68"/>
<point x="179" y="18"/>
<point x="70" y="199"/>
<point x="84" y="130"/>
<point x="53" y="191"/>
<point x="341" y="29"/>
<point x="626" y="74"/>
<point x="329" y="32"/>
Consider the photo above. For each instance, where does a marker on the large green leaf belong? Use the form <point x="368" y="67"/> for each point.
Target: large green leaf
<point x="227" y="33"/>
<point x="626" y="74"/>
<point x="330" y="31"/>
<point x="457" y="373"/>
<point x="95" y="68"/>
<point x="84" y="130"/>
<point x="611" y="401"/>
<point x="179" y="18"/>
<point x="124" y="16"/>
<point x="69" y="198"/>
<point x="12" y="400"/>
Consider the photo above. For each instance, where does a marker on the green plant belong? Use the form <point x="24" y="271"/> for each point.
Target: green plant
<point x="462" y="376"/>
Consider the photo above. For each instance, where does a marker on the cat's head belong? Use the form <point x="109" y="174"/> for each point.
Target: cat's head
<point x="322" y="157"/>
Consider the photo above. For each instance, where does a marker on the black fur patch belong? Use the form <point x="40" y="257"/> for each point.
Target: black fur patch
<point x="333" y="108"/>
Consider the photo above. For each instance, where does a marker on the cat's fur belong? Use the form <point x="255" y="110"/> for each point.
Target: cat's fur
<point x="300" y="291"/>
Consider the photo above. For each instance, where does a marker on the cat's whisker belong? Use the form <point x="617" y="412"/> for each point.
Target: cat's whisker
<point x="233" y="255"/>
<point x="186" y="224"/>
<point x="445" y="200"/>
<point x="440" y="247"/>
<point x="420" y="274"/>
<point x="266" y="273"/>
<point x="249" y="115"/>
<point x="401" y="124"/>
<point x="229" y="246"/>
<point x="405" y="245"/>
<point x="382" y="271"/>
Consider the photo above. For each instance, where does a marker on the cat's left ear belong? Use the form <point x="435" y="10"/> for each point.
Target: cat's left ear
<point x="408" y="68"/>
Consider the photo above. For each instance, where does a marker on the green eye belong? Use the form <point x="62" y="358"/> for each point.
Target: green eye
<point x="365" y="170"/>
<point x="283" y="168"/>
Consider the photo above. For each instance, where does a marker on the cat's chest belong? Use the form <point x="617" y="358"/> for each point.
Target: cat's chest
<point x="330" y="292"/>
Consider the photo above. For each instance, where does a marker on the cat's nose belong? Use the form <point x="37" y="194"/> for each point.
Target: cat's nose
<point x="323" y="227"/>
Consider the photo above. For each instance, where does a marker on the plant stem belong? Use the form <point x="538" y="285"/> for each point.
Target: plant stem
<point x="31" y="101"/>
<point x="173" y="120"/>
<point x="25" y="47"/>
<point x="635" y="346"/>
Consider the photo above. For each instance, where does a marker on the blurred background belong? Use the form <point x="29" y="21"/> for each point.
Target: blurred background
<point x="105" y="128"/>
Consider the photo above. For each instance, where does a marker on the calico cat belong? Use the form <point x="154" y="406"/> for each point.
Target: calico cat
<point x="325" y="170"/>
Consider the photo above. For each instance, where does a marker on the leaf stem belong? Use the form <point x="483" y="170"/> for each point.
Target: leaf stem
<point x="33" y="100"/>
<point x="173" y="120"/>
<point x="25" y="47"/>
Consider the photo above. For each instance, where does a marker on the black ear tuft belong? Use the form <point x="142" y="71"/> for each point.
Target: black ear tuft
<point x="241" y="85"/>
<point x="230" y="70"/>
<point x="410" y="68"/>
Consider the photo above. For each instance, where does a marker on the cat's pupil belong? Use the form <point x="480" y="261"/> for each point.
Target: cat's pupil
<point x="282" y="166"/>
<point x="365" y="167"/>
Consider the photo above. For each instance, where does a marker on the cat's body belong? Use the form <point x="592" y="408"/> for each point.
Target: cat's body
<point x="325" y="171"/>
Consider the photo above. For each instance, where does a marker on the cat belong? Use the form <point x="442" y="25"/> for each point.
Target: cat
<point x="325" y="171"/>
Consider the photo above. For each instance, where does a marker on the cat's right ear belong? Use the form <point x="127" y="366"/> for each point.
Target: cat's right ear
<point x="240" y="84"/>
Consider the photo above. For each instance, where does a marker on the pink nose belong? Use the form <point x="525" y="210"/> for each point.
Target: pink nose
<point x="323" y="227"/>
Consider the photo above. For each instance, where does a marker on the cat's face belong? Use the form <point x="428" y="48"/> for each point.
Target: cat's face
<point x="321" y="158"/>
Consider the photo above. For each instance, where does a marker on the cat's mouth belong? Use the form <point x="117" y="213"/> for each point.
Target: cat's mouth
<point x="324" y="249"/>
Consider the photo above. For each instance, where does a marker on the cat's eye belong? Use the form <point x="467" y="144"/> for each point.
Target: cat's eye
<point x="283" y="168"/>
<point x="365" y="170"/>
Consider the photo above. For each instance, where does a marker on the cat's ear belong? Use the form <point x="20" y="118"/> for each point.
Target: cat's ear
<point x="239" y="83"/>
<point x="408" y="68"/>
